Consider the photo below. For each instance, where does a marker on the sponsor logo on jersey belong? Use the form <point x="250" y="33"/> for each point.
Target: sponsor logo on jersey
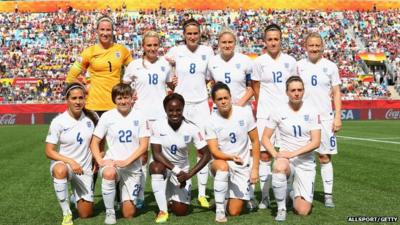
<point x="163" y="135"/>
<point x="306" y="117"/>
<point x="118" y="54"/>
<point x="186" y="138"/>
<point x="203" y="57"/>
<point x="89" y="124"/>
<point x="238" y="66"/>
<point x="163" y="68"/>
<point x="65" y="129"/>
<point x="136" y="123"/>
<point x="241" y="123"/>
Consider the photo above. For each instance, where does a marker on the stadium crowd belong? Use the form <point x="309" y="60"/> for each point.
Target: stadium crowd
<point x="44" y="45"/>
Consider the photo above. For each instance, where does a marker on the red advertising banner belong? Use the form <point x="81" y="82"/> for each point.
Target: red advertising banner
<point x="44" y="113"/>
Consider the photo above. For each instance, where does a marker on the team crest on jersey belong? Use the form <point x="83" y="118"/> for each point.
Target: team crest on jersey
<point x="163" y="68"/>
<point x="325" y="70"/>
<point x="136" y="123"/>
<point x="287" y="65"/>
<point x="203" y="57"/>
<point x="306" y="117"/>
<point x="89" y="124"/>
<point x="241" y="123"/>
<point x="186" y="138"/>
<point x="118" y="54"/>
<point x="238" y="66"/>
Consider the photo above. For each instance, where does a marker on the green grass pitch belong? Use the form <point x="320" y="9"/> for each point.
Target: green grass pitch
<point x="366" y="182"/>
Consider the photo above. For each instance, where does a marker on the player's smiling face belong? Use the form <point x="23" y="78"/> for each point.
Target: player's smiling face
<point x="105" y="33"/>
<point x="295" y="92"/>
<point x="314" y="48"/>
<point x="223" y="101"/>
<point x="124" y="103"/>
<point x="226" y="45"/>
<point x="174" y="111"/>
<point x="150" y="48"/>
<point x="273" y="42"/>
<point x="192" y="36"/>
<point x="76" y="102"/>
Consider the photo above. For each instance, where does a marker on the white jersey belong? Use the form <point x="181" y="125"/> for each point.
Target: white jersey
<point x="192" y="71"/>
<point x="149" y="81"/>
<point x="272" y="75"/>
<point x="319" y="78"/>
<point x="232" y="133"/>
<point x="235" y="73"/>
<point x="73" y="137"/>
<point x="122" y="134"/>
<point x="175" y="144"/>
<point x="295" y="130"/>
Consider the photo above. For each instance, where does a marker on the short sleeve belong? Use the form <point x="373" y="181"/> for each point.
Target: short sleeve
<point x="129" y="73"/>
<point x="335" y="75"/>
<point x="53" y="136"/>
<point x="210" y="132"/>
<point x="315" y="121"/>
<point x="272" y="121"/>
<point x="144" y="129"/>
<point x="257" y="71"/>
<point x="101" y="128"/>
<point x="250" y="121"/>
<point x="127" y="56"/>
<point x="171" y="54"/>
<point x="199" y="139"/>
<point x="155" y="134"/>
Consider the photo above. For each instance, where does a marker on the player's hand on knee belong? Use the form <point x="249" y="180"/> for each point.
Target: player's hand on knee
<point x="182" y="176"/>
<point x="76" y="168"/>
<point x="237" y="160"/>
<point x="285" y="154"/>
<point x="107" y="162"/>
<point x="121" y="163"/>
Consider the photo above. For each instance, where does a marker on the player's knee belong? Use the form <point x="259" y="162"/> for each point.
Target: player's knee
<point x="303" y="211"/>
<point x="220" y="165"/>
<point x="85" y="209"/>
<point x="280" y="167"/>
<point x="324" y="158"/>
<point x="156" y="168"/>
<point x="265" y="157"/>
<point x="109" y="173"/>
<point x="85" y="214"/>
<point x="60" y="171"/>
<point x="179" y="209"/>
<point x="128" y="209"/>
<point x="235" y="211"/>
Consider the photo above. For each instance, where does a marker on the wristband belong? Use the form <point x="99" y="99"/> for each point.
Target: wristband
<point x="176" y="170"/>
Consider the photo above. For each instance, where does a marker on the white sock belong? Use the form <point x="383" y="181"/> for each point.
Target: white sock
<point x="220" y="189"/>
<point x="327" y="177"/>
<point x="108" y="192"/>
<point x="202" y="177"/>
<point x="61" y="188"/>
<point x="159" y="186"/>
<point x="252" y="186"/>
<point x="143" y="179"/>
<point x="279" y="186"/>
<point x="265" y="177"/>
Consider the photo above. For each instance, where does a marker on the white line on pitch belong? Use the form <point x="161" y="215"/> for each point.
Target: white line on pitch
<point x="368" y="139"/>
<point x="387" y="138"/>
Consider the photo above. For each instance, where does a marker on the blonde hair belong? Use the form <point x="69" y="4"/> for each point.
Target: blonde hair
<point x="226" y="31"/>
<point x="314" y="35"/>
<point x="105" y="18"/>
<point x="147" y="34"/>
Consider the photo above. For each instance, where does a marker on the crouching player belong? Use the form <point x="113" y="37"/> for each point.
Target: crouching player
<point x="228" y="135"/>
<point x="72" y="130"/>
<point x="300" y="131"/>
<point x="127" y="134"/>
<point x="170" y="173"/>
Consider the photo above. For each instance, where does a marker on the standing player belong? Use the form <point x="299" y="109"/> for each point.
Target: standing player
<point x="170" y="173"/>
<point x="72" y="131"/>
<point x="234" y="69"/>
<point x="149" y="76"/>
<point x="300" y="132"/>
<point x="104" y="62"/>
<point x="321" y="80"/>
<point x="228" y="134"/>
<point x="191" y="65"/>
<point x="270" y="73"/>
<point x="127" y="135"/>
